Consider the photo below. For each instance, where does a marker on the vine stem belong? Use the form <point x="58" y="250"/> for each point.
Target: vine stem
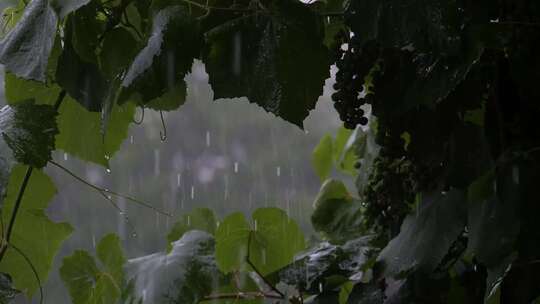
<point x="7" y="238"/>
<point x="104" y="191"/>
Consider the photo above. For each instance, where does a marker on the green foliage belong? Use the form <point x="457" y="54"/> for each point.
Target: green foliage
<point x="89" y="143"/>
<point x="337" y="216"/>
<point x="29" y="131"/>
<point x="271" y="63"/>
<point x="25" y="50"/>
<point x="199" y="219"/>
<point x="339" y="153"/>
<point x="270" y="243"/>
<point x="453" y="86"/>
<point x="426" y="236"/>
<point x="89" y="283"/>
<point x="34" y="233"/>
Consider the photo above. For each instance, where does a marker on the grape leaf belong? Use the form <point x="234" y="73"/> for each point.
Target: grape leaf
<point x="273" y="241"/>
<point x="162" y="64"/>
<point x="25" y="50"/>
<point x="279" y="61"/>
<point x="231" y="242"/>
<point x="322" y="157"/>
<point x="337" y="216"/>
<point x="29" y="131"/>
<point x="82" y="79"/>
<point x="87" y="282"/>
<point x="427" y="234"/>
<point x="185" y="275"/>
<point x="34" y="233"/>
<point x="88" y="143"/>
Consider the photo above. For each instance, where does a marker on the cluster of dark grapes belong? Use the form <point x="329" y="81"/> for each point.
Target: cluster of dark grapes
<point x="354" y="60"/>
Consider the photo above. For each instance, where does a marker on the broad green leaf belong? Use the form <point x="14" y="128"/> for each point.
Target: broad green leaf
<point x="19" y="90"/>
<point x="344" y="292"/>
<point x="276" y="239"/>
<point x="162" y="64"/>
<point x="322" y="157"/>
<point x="315" y="268"/>
<point x="29" y="131"/>
<point x="25" y="50"/>
<point x="337" y="216"/>
<point x="87" y="30"/>
<point x="118" y="51"/>
<point x="34" y="233"/>
<point x="231" y="243"/>
<point x="90" y="284"/>
<point x="185" y="275"/>
<point x="110" y="254"/>
<point x="82" y="79"/>
<point x="88" y="143"/>
<point x="426" y="234"/>
<point x="273" y="241"/>
<point x="199" y="219"/>
<point x="79" y="272"/>
<point x="270" y="63"/>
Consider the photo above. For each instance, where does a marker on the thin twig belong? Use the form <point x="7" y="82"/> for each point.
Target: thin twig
<point x="104" y="191"/>
<point x="11" y="224"/>
<point x="282" y="296"/>
<point x="25" y="257"/>
<point x="162" y="134"/>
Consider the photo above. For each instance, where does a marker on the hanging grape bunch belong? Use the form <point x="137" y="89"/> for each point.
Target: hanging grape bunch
<point x="354" y="61"/>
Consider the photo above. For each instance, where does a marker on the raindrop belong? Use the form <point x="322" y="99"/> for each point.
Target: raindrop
<point x="107" y="157"/>
<point x="208" y="138"/>
<point x="235" y="167"/>
<point x="108" y="170"/>
<point x="93" y="241"/>
<point x="131" y="139"/>
<point x="320" y="287"/>
<point x="278" y="171"/>
<point x="189" y="220"/>
<point x="178" y="176"/>
<point x="156" y="162"/>
<point x="192" y="195"/>
<point x="255" y="225"/>
<point x="515" y="175"/>
<point x="65" y="156"/>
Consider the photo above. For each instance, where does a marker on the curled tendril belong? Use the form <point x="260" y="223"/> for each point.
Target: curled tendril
<point x="138" y="122"/>
<point x="163" y="133"/>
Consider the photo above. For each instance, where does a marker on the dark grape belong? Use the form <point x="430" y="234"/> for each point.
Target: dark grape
<point x="353" y="65"/>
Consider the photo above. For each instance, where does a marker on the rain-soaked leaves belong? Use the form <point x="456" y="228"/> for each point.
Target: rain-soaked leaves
<point x="25" y="50"/>
<point x="34" y="234"/>
<point x="427" y="234"/>
<point x="337" y="216"/>
<point x="311" y="271"/>
<point x="89" y="143"/>
<point x="276" y="60"/>
<point x="184" y="275"/>
<point x="89" y="283"/>
<point x="273" y="239"/>
<point x="168" y="55"/>
<point x="29" y="130"/>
